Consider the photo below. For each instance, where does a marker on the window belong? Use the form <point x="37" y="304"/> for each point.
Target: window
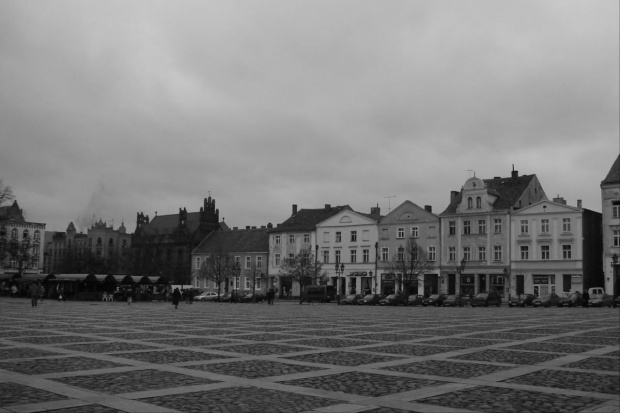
<point x="291" y="239"/>
<point x="544" y="252"/>
<point x="215" y="285"/>
<point x="385" y="234"/>
<point x="25" y="234"/>
<point x="497" y="226"/>
<point x="337" y="256"/>
<point x="353" y="236"/>
<point x="525" y="228"/>
<point x="615" y="209"/>
<point x="14" y="233"/>
<point x="466" y="227"/>
<point x="248" y="262"/>
<point x="432" y="255"/>
<point x="326" y="257"/>
<point x="451" y="254"/>
<point x="470" y="203"/>
<point x="400" y="255"/>
<point x="277" y="259"/>
<point x="482" y="226"/>
<point x="197" y="263"/>
<point x="365" y="235"/>
<point x="238" y="259"/>
<point x="478" y="202"/>
<point x="338" y="236"/>
<point x="259" y="263"/>
<point x="544" y="226"/>
<point x="616" y="238"/>
<point x="306" y="238"/>
<point x="566" y="252"/>
<point x="366" y="255"/>
<point x="237" y="281"/>
<point x="400" y="232"/>
<point x="525" y="252"/>
<point x="37" y="234"/>
<point x="452" y="228"/>
<point x="326" y="237"/>
<point x="353" y="256"/>
<point x="247" y="283"/>
<point x="467" y="253"/>
<point x="277" y="239"/>
<point x="565" y="224"/>
<point x="258" y="286"/>
<point x="385" y="254"/>
<point x="415" y="232"/>
<point x="482" y="253"/>
<point x="497" y="253"/>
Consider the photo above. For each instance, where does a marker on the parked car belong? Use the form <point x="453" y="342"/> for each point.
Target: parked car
<point x="521" y="300"/>
<point x="370" y="299"/>
<point x="393" y="299"/>
<point x="414" y="300"/>
<point x="485" y="299"/>
<point x="351" y="299"/>
<point x="452" y="300"/>
<point x="601" y="300"/>
<point x="546" y="300"/>
<point x="569" y="299"/>
<point x="435" y="299"/>
<point x="253" y="297"/>
<point x="206" y="296"/>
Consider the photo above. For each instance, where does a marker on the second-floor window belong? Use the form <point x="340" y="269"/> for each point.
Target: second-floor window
<point x="277" y="239"/>
<point x="567" y="252"/>
<point x="467" y="253"/>
<point x="197" y="263"/>
<point x="291" y="239"/>
<point x="466" y="227"/>
<point x="326" y="257"/>
<point x="400" y="232"/>
<point x="338" y="236"/>
<point x="353" y="236"/>
<point x="400" y="256"/>
<point x="432" y="253"/>
<point x="482" y="226"/>
<point x="385" y="254"/>
<point x="306" y="238"/>
<point x="277" y="259"/>
<point x="451" y="254"/>
<point x="337" y="252"/>
<point x="366" y="255"/>
<point x="566" y="225"/>
<point x="415" y="232"/>
<point x="259" y="263"/>
<point x="615" y="209"/>
<point x="525" y="228"/>
<point x="497" y="253"/>
<point x="248" y="262"/>
<point x="353" y="256"/>
<point x="497" y="226"/>
<point x="525" y="252"/>
<point x="482" y="253"/>
<point x="544" y="252"/>
<point x="452" y="228"/>
<point x="616" y="238"/>
<point x="544" y="226"/>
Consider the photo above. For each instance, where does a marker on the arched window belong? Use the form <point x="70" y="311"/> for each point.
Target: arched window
<point x="37" y="234"/>
<point x="478" y="202"/>
<point x="99" y="241"/>
<point x="3" y="231"/>
<point x="470" y="203"/>
<point x="14" y="233"/>
<point x="111" y="242"/>
<point x="25" y="234"/>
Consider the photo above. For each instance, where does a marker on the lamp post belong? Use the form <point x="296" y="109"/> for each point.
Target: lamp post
<point x="236" y="271"/>
<point x="459" y="270"/>
<point x="614" y="273"/>
<point x="339" y="271"/>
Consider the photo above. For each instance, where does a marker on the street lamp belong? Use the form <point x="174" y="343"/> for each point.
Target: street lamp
<point x="460" y="269"/>
<point x="339" y="271"/>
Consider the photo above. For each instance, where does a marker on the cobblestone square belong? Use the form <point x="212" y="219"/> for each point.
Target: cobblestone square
<point x="93" y="357"/>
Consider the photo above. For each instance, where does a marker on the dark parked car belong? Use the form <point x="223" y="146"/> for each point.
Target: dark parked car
<point x="253" y="297"/>
<point x="569" y="299"/>
<point x="393" y="299"/>
<point x="414" y="300"/>
<point x="601" y="300"/>
<point x="435" y="299"/>
<point x="521" y="300"/>
<point x="351" y="299"/>
<point x="453" y="300"/>
<point x="617" y="301"/>
<point x="546" y="300"/>
<point x="486" y="299"/>
<point x="370" y="299"/>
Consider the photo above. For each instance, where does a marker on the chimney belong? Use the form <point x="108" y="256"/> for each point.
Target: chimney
<point x="579" y="204"/>
<point x="559" y="200"/>
<point x="235" y="228"/>
<point x="270" y="225"/>
<point x="253" y="227"/>
<point x="428" y="208"/>
<point x="453" y="195"/>
<point x="247" y="227"/>
<point x="515" y="174"/>
<point x="328" y="207"/>
<point x="375" y="210"/>
<point x="294" y="209"/>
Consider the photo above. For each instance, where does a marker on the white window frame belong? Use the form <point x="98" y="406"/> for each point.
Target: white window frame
<point x="497" y="226"/>
<point x="197" y="263"/>
<point x="567" y="252"/>
<point x="353" y="256"/>
<point x="415" y="232"/>
<point x="400" y="232"/>
<point x="338" y="237"/>
<point x="432" y="253"/>
<point x="338" y="256"/>
<point x="248" y="262"/>
<point x="525" y="252"/>
<point x="566" y="225"/>
<point x="353" y="236"/>
<point x="291" y="238"/>
<point x="385" y="254"/>
<point x="467" y="253"/>
<point x="482" y="253"/>
<point x="466" y="227"/>
<point x="306" y="238"/>
<point x="366" y="255"/>
<point x="451" y="253"/>
<point x="482" y="226"/>
<point x="325" y="256"/>
<point x="277" y="259"/>
<point x="277" y="239"/>
<point x="259" y="262"/>
<point x="544" y="226"/>
<point x="497" y="253"/>
<point x="545" y="252"/>
<point x="525" y="227"/>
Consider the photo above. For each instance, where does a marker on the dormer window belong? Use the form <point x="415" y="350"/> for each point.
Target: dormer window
<point x="478" y="202"/>
<point x="470" y="203"/>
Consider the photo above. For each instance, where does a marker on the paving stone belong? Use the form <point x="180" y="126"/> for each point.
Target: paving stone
<point x="365" y="384"/>
<point x="508" y="356"/>
<point x="54" y="339"/>
<point x="253" y="369"/>
<point x="331" y="342"/>
<point x="57" y="365"/>
<point x="133" y="381"/>
<point x="190" y="341"/>
<point x="463" y="342"/>
<point x="24" y="352"/>
<point x="591" y="340"/>
<point x="107" y="347"/>
<point x="89" y="408"/>
<point x="596" y="363"/>
<point x="342" y="358"/>
<point x="262" y="349"/>
<point x="410" y="349"/>
<point x="586" y="381"/>
<point x="264" y="337"/>
<point x="170" y="356"/>
<point x="495" y="399"/>
<point x="242" y="400"/>
<point x="553" y="347"/>
<point x="447" y="368"/>
<point x="14" y="394"/>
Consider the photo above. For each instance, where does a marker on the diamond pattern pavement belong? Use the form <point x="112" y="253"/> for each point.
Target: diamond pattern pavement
<point x="108" y="357"/>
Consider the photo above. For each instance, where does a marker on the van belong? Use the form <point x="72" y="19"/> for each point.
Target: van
<point x="320" y="293"/>
<point x="596" y="290"/>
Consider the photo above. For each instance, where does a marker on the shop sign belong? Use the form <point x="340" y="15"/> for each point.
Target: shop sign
<point x="541" y="280"/>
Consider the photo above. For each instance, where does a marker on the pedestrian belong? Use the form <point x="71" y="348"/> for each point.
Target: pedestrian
<point x="190" y="296"/>
<point x="33" y="293"/>
<point x="129" y="295"/>
<point x="270" y="295"/>
<point x="14" y="291"/>
<point x="41" y="293"/>
<point x="585" y="297"/>
<point x="176" y="297"/>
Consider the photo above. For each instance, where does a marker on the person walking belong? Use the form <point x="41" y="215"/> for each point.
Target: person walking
<point x="129" y="295"/>
<point x="176" y="297"/>
<point x="585" y="297"/>
<point x="270" y="295"/>
<point x="33" y="293"/>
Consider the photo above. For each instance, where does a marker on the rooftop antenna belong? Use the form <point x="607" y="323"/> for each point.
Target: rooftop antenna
<point x="389" y="201"/>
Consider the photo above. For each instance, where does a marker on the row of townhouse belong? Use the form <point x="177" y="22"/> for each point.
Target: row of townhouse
<point x="500" y="234"/>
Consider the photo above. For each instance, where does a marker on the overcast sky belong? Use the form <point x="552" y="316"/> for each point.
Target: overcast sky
<point x="109" y="108"/>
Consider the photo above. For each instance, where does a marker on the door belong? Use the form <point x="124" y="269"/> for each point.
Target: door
<point x="482" y="286"/>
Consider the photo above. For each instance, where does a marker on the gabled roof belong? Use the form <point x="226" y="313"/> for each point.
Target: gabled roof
<point x="307" y="219"/>
<point x="238" y="240"/>
<point x="508" y="190"/>
<point x="167" y="224"/>
<point x="407" y="207"/>
<point x="613" y="177"/>
<point x="11" y="212"/>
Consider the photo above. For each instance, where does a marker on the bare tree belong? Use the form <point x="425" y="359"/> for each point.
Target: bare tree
<point x="25" y="254"/>
<point x="301" y="268"/>
<point x="254" y="274"/>
<point x="218" y="267"/>
<point x="410" y="263"/>
<point x="6" y="193"/>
